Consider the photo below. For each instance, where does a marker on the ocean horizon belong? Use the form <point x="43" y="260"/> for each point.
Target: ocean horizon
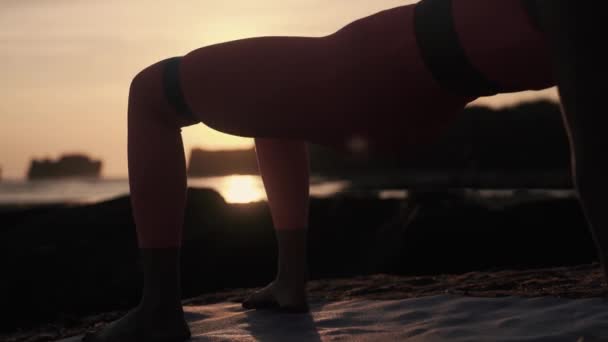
<point x="233" y="188"/>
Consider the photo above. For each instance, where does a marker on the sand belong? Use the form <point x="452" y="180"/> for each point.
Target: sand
<point x="432" y="318"/>
<point x="555" y="304"/>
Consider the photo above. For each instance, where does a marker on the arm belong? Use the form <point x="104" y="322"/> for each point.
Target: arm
<point x="575" y="34"/>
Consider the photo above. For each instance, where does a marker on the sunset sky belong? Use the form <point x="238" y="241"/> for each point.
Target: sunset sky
<point x="66" y="65"/>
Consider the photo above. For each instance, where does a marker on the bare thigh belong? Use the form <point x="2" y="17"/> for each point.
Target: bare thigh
<point x="366" y="81"/>
<point x="262" y="87"/>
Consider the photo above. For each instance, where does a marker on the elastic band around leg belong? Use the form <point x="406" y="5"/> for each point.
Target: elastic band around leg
<point x="173" y="90"/>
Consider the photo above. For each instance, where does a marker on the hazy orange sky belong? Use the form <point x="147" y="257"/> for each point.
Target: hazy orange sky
<point x="66" y="65"/>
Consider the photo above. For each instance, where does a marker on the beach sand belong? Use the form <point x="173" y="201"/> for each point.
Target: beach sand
<point x="432" y="318"/>
<point x="555" y="304"/>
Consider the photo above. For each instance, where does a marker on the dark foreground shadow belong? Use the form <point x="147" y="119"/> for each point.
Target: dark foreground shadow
<point x="269" y="326"/>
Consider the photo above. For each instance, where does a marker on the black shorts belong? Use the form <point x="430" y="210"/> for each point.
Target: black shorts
<point x="173" y="90"/>
<point x="443" y="54"/>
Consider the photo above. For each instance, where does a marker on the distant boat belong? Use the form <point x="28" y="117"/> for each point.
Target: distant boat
<point x="72" y="165"/>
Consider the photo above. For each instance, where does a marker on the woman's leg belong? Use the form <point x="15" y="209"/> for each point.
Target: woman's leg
<point x="576" y="35"/>
<point x="157" y="179"/>
<point x="284" y="166"/>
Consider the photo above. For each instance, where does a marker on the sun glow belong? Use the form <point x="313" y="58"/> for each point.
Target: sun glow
<point x="243" y="189"/>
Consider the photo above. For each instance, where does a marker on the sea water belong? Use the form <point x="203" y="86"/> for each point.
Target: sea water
<point x="234" y="189"/>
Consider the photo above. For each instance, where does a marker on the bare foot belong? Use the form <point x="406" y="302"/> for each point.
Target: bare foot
<point x="139" y="326"/>
<point x="279" y="297"/>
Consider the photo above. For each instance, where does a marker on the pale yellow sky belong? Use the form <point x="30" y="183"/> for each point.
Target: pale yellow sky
<point x="66" y="65"/>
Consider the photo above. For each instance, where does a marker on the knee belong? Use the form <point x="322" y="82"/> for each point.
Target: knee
<point x="147" y="99"/>
<point x="145" y="95"/>
<point x="147" y="85"/>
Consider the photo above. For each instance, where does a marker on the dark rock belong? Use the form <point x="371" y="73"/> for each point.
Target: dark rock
<point x="77" y="260"/>
<point x="74" y="165"/>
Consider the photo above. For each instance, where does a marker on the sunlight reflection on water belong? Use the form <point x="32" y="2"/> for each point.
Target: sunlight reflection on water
<point x="250" y="188"/>
<point x="234" y="189"/>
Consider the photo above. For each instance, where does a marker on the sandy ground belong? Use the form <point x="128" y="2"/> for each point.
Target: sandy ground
<point x="557" y="304"/>
<point x="431" y="318"/>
